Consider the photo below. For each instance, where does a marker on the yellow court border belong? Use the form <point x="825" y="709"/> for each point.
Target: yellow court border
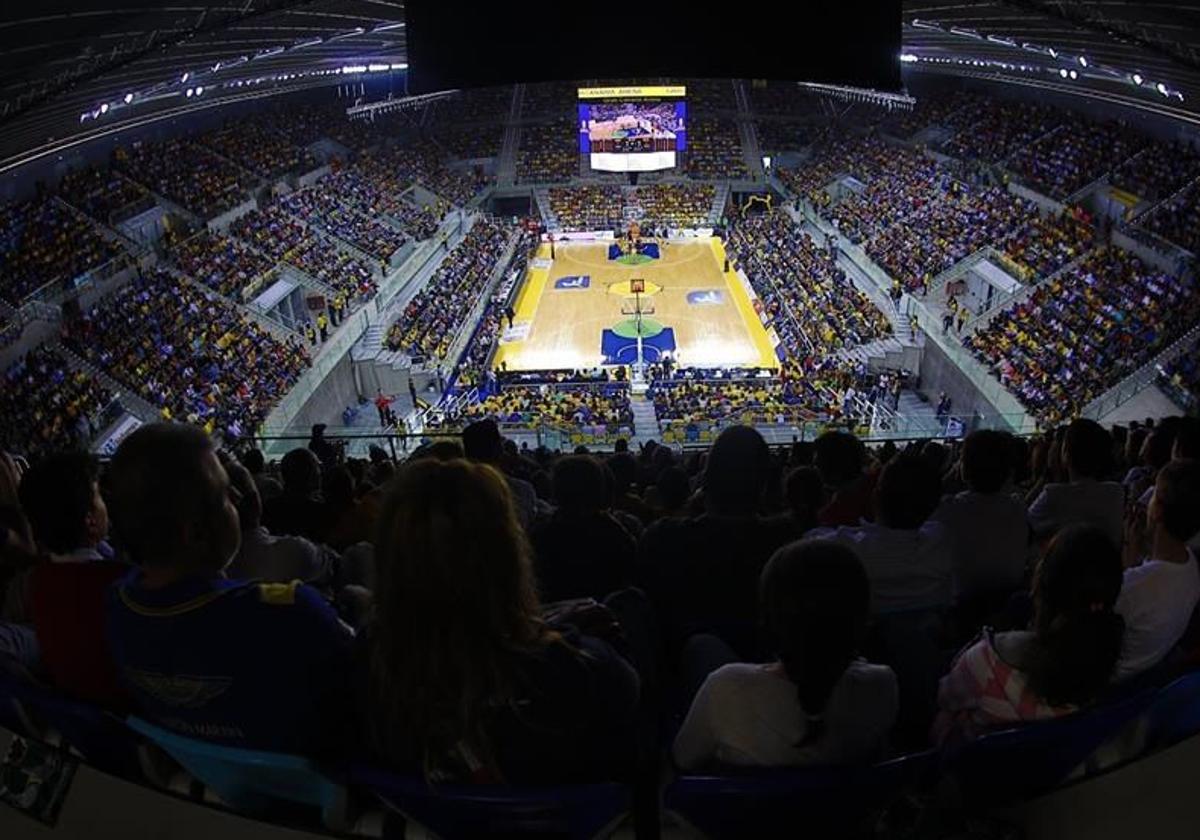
<point x="741" y="301"/>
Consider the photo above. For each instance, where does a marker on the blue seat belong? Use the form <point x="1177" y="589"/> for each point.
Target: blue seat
<point x="101" y="738"/>
<point x="1026" y="761"/>
<point x="821" y="801"/>
<point x="1174" y="712"/>
<point x="254" y="782"/>
<point x="461" y="810"/>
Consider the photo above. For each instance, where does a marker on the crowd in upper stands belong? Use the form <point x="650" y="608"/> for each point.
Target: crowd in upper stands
<point x="587" y="207"/>
<point x="224" y="265"/>
<point x="1046" y="244"/>
<point x="714" y="149"/>
<point x="1158" y="170"/>
<point x="260" y="148"/>
<point x="1083" y="332"/>
<point x="437" y="313"/>
<point x="278" y="235"/>
<point x="675" y="205"/>
<point x="1180" y="378"/>
<point x="193" y="356"/>
<point x="801" y="282"/>
<point x="101" y="192"/>
<point x="1067" y="160"/>
<point x="1178" y="219"/>
<point x="323" y="209"/>
<point x="46" y="405"/>
<point x="43" y="242"/>
<point x="548" y="152"/>
<point x="186" y="173"/>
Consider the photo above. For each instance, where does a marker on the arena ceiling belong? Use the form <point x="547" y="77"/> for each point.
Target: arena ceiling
<point x="1110" y="48"/>
<point x="73" y="67"/>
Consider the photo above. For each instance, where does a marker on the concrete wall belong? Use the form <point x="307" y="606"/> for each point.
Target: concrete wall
<point x="939" y="373"/>
<point x="330" y="399"/>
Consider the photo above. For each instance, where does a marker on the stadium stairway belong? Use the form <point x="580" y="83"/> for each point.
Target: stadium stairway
<point x="645" y="418"/>
<point x="720" y="197"/>
<point x="506" y="166"/>
<point x="542" y="196"/>
<point x="884" y="354"/>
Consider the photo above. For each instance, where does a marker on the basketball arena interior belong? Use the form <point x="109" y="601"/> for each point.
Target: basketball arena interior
<point x="539" y="418"/>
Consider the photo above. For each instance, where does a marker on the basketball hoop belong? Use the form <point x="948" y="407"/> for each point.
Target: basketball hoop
<point x="637" y="285"/>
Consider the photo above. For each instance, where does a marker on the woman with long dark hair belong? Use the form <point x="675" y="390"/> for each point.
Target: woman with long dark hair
<point x="1062" y="662"/>
<point x="818" y="703"/>
<point x="463" y="678"/>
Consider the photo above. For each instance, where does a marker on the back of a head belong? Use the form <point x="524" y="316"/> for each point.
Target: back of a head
<point x="1187" y="438"/>
<point x="1087" y="449"/>
<point x="454" y="599"/>
<point x="249" y="505"/>
<point x="839" y="457"/>
<point x="986" y="460"/>
<point x="481" y="441"/>
<point x="815" y="600"/>
<point x="301" y="472"/>
<point x="253" y="460"/>
<point x="579" y="484"/>
<point x="737" y="470"/>
<point x="1161" y="442"/>
<point x="622" y="445"/>
<point x="908" y="492"/>
<point x="624" y="469"/>
<point x="1079" y="635"/>
<point x="1176" y="500"/>
<point x="168" y="498"/>
<point x="673" y="488"/>
<point x="58" y="495"/>
<point x="805" y="492"/>
<point x="337" y="486"/>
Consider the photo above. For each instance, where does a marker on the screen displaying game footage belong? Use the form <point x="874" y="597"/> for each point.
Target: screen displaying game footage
<point x="635" y="135"/>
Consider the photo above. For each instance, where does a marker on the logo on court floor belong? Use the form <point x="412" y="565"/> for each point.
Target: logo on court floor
<point x="573" y="282"/>
<point x="704" y="297"/>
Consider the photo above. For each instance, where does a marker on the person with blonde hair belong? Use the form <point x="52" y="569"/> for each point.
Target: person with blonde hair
<point x="464" y="679"/>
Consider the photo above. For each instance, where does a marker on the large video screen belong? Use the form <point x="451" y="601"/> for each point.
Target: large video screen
<point x="634" y="130"/>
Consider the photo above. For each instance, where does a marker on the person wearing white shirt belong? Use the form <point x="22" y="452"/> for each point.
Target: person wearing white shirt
<point x="907" y="557"/>
<point x="1086" y="499"/>
<point x="1160" y="592"/>
<point x="269" y="558"/>
<point x="987" y="527"/>
<point x="818" y="703"/>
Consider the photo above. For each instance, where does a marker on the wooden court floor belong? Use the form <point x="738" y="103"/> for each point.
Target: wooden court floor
<point x="559" y="322"/>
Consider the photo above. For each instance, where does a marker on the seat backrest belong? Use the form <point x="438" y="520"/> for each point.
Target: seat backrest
<point x="460" y="810"/>
<point x="251" y="781"/>
<point x="41" y="712"/>
<point x="1174" y="712"/>
<point x="818" y="800"/>
<point x="1029" y="760"/>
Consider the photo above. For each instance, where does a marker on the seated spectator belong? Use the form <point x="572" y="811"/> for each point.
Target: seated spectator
<point x="259" y="666"/>
<point x="806" y="497"/>
<point x="701" y="574"/>
<point x="1161" y="590"/>
<point x="839" y="460"/>
<point x="461" y="678"/>
<point x="907" y="556"/>
<point x="67" y="589"/>
<point x="482" y="442"/>
<point x="299" y="511"/>
<point x="262" y="556"/>
<point x="817" y="702"/>
<point x="988" y="531"/>
<point x="1061" y="663"/>
<point x="582" y="551"/>
<point x="1086" y="498"/>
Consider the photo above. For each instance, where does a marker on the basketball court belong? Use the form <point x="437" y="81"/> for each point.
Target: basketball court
<point x="580" y="310"/>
